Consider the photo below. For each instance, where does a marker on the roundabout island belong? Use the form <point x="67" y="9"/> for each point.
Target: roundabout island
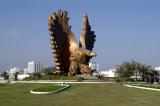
<point x="50" y="89"/>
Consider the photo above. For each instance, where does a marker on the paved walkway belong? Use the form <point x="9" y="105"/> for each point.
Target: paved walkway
<point x="3" y="81"/>
<point x="153" y="89"/>
<point x="57" y="82"/>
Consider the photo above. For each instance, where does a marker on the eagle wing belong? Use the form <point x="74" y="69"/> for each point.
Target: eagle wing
<point x="87" y="38"/>
<point x="63" y="41"/>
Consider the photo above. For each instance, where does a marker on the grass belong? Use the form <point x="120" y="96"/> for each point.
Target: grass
<point x="78" y="95"/>
<point x="48" y="88"/>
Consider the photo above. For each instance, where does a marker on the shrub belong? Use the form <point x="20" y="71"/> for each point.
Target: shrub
<point x="123" y="79"/>
<point x="54" y="77"/>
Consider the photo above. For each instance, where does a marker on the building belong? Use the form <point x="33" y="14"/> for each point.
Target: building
<point x="33" y="67"/>
<point x="1" y="78"/>
<point x="94" y="66"/>
<point x="157" y="68"/>
<point x="22" y="76"/>
<point x="109" y="73"/>
<point x="25" y="71"/>
<point x="12" y="72"/>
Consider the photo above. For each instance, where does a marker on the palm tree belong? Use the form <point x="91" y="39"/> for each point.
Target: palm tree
<point x="144" y="70"/>
<point x="124" y="70"/>
<point x="154" y="75"/>
<point x="133" y="68"/>
<point x="5" y="75"/>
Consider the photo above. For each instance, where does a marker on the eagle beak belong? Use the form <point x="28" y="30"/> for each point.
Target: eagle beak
<point x="94" y="54"/>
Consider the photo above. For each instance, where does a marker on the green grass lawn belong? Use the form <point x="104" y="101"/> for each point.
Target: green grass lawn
<point x="78" y="95"/>
<point x="48" y="88"/>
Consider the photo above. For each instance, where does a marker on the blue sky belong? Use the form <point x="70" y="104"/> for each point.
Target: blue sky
<point x="125" y="29"/>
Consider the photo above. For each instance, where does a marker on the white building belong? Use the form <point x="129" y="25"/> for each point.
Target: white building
<point x="94" y="66"/>
<point x="157" y="68"/>
<point x="1" y="78"/>
<point x="22" y="76"/>
<point x="25" y="71"/>
<point x="33" y="67"/>
<point x="12" y="71"/>
<point x="109" y="73"/>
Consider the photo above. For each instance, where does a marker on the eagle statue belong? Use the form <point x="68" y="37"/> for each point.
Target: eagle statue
<point x="70" y="57"/>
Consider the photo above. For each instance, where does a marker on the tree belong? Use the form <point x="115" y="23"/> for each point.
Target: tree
<point x="16" y="76"/>
<point x="48" y="70"/>
<point x="153" y="76"/>
<point x="144" y="71"/>
<point x="133" y="68"/>
<point x="5" y="75"/>
<point x="123" y="70"/>
<point x="127" y="69"/>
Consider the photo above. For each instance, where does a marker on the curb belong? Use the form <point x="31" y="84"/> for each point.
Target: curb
<point x="153" y="89"/>
<point x="55" y="91"/>
<point x="68" y="82"/>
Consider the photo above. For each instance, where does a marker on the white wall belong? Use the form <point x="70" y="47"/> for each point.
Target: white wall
<point x="109" y="73"/>
<point x="94" y="66"/>
<point x="157" y="68"/>
<point x="21" y="77"/>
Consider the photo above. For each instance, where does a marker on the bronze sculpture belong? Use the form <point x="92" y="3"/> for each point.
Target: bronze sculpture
<point x="69" y="56"/>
